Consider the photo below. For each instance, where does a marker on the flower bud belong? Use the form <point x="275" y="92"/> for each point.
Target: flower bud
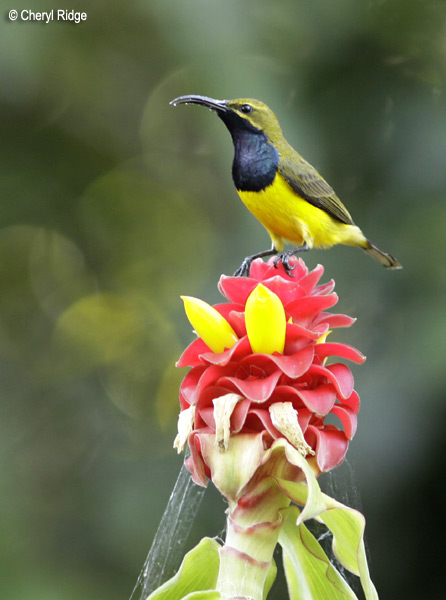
<point x="265" y="321"/>
<point x="209" y="325"/>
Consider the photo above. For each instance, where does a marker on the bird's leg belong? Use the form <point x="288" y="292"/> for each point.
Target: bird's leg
<point x="246" y="263"/>
<point x="285" y="258"/>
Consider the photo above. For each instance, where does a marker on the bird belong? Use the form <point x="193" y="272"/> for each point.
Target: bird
<point x="281" y="189"/>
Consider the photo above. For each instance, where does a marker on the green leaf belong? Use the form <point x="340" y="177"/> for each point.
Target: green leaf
<point x="196" y="577"/>
<point x="206" y="595"/>
<point x="346" y="524"/>
<point x="309" y="495"/>
<point x="271" y="576"/>
<point x="347" y="529"/>
<point x="309" y="573"/>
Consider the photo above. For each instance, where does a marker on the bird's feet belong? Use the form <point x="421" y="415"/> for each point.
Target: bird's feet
<point x="285" y="258"/>
<point x="244" y="267"/>
<point x="246" y="263"/>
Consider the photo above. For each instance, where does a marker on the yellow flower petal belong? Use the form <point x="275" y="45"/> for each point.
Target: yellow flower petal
<point x="321" y="340"/>
<point x="209" y="325"/>
<point x="265" y="321"/>
<point x="323" y="337"/>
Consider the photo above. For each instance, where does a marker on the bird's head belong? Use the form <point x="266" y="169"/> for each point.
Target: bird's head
<point x="240" y="114"/>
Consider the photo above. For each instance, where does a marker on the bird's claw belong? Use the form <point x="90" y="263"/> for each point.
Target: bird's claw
<point x="285" y="258"/>
<point x="243" y="268"/>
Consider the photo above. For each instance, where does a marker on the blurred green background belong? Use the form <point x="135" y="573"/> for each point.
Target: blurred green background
<point x="114" y="203"/>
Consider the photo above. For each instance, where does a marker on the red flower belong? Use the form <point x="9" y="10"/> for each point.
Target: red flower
<point x="302" y="377"/>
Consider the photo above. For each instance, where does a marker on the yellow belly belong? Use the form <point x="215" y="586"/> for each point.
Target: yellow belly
<point x="287" y="216"/>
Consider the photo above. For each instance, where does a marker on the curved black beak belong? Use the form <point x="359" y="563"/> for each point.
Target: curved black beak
<point x="219" y="106"/>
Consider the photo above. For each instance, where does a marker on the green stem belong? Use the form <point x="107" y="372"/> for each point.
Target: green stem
<point x="253" y="527"/>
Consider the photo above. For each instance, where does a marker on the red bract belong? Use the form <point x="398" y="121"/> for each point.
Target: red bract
<point x="307" y="374"/>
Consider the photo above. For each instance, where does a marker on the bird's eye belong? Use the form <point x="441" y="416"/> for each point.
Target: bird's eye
<point x="246" y="109"/>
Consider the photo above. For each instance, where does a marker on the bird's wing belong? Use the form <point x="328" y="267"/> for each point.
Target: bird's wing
<point x="306" y="181"/>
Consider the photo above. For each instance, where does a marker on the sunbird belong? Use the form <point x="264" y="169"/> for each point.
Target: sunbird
<point x="281" y="189"/>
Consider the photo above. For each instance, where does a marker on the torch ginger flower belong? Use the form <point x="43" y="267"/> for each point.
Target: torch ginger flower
<point x="258" y="408"/>
<point x="265" y="351"/>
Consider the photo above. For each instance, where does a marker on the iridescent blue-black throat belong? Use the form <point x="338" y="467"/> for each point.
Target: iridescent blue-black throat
<point x="255" y="159"/>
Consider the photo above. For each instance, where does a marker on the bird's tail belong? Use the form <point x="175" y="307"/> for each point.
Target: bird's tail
<point x="387" y="260"/>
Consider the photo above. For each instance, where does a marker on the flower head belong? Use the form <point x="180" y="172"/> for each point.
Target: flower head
<point x="262" y="366"/>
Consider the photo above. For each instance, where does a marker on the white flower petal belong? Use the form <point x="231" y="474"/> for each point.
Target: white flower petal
<point x="223" y="409"/>
<point x="284" y="418"/>
<point x="186" y="420"/>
